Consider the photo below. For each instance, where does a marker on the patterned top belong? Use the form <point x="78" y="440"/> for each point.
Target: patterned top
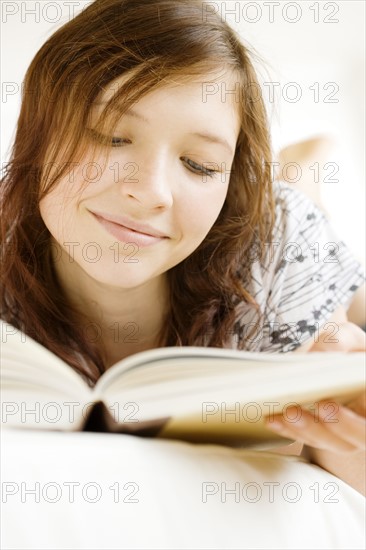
<point x="307" y="273"/>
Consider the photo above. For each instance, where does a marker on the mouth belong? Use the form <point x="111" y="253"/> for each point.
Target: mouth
<point x="132" y="225"/>
<point x="126" y="234"/>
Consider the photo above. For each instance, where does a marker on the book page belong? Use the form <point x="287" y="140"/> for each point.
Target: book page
<point x="38" y="389"/>
<point x="226" y="400"/>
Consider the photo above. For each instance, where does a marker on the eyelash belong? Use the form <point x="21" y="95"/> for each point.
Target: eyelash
<point x="199" y="170"/>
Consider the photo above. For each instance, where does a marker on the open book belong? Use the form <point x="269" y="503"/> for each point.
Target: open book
<point x="198" y="394"/>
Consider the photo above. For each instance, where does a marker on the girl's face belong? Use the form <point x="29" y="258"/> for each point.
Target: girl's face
<point x="157" y="180"/>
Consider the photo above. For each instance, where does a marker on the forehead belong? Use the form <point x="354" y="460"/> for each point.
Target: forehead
<point x="215" y="94"/>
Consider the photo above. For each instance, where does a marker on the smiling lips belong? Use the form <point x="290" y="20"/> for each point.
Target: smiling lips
<point x="133" y="232"/>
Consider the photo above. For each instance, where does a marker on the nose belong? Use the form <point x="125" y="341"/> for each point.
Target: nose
<point x="148" y="181"/>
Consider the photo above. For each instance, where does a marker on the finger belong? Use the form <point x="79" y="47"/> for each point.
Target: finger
<point x="343" y="422"/>
<point x="358" y="404"/>
<point x="304" y="428"/>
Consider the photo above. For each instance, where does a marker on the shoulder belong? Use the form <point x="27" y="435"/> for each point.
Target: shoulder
<point x="295" y="213"/>
<point x="306" y="274"/>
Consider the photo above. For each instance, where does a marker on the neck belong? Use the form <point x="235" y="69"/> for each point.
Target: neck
<point x="123" y="321"/>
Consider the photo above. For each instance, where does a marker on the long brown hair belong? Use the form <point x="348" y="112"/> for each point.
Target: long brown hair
<point x="153" y="42"/>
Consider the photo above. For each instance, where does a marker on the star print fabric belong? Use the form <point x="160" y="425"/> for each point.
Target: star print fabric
<point x="307" y="273"/>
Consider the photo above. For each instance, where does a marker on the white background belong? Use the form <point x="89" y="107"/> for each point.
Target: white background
<point x="312" y="44"/>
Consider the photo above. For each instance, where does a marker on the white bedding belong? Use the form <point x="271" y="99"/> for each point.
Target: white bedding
<point x="278" y="502"/>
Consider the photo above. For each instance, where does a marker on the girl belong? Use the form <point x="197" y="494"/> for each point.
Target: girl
<point x="138" y="208"/>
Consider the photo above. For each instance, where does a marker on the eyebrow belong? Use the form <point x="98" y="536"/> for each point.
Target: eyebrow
<point x="129" y="112"/>
<point x="211" y="138"/>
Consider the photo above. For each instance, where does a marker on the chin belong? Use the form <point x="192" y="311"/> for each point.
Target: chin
<point x="119" y="275"/>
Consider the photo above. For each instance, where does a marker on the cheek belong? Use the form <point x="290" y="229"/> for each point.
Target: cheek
<point x="58" y="214"/>
<point x="49" y="210"/>
<point x="59" y="207"/>
<point x="199" y="213"/>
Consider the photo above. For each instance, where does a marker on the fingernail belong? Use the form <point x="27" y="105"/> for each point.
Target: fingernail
<point x="275" y="425"/>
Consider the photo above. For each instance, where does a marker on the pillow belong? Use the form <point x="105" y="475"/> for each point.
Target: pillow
<point x="84" y="490"/>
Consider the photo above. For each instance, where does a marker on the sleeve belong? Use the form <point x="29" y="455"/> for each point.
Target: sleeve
<point x="309" y="273"/>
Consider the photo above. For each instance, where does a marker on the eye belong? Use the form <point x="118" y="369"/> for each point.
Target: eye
<point x="106" y="140"/>
<point x="118" y="142"/>
<point x="198" y="169"/>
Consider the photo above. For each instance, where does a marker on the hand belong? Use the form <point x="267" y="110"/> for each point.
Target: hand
<point x="328" y="426"/>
